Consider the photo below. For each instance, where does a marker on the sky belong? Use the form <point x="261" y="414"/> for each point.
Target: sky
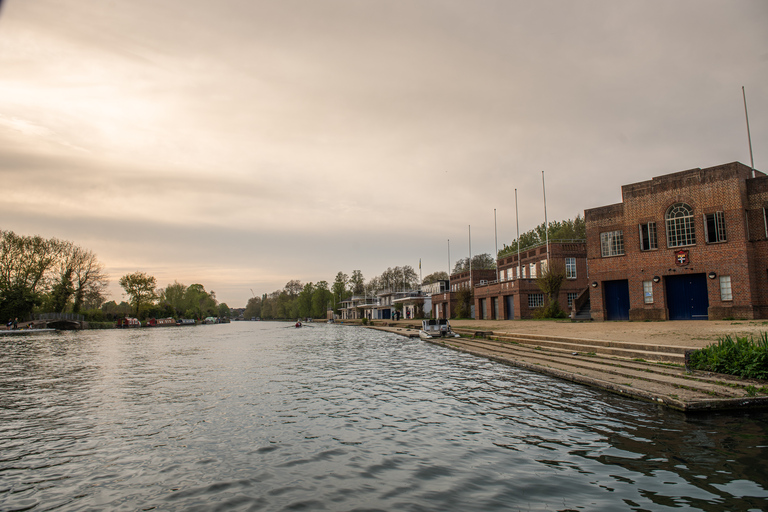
<point x="241" y="144"/>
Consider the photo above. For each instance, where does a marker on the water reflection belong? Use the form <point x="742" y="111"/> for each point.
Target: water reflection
<point x="254" y="416"/>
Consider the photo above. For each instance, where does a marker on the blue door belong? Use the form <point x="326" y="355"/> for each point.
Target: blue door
<point x="616" y="295"/>
<point x="687" y="297"/>
<point x="510" y="307"/>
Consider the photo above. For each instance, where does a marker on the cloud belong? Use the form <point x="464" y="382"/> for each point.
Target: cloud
<point x="256" y="141"/>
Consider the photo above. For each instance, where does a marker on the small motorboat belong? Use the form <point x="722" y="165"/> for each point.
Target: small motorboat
<point x="439" y="328"/>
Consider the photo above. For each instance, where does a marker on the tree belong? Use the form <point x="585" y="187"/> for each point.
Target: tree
<point x="173" y="295"/>
<point x="88" y="278"/>
<point x="321" y="298"/>
<point x="435" y="277"/>
<point x="140" y="288"/>
<point x="253" y="308"/>
<point x="571" y="229"/>
<point x="549" y="282"/>
<point x="479" y="262"/>
<point x="357" y="283"/>
<point x="464" y="307"/>
<point x="339" y="290"/>
<point x="304" y="302"/>
<point x="62" y="291"/>
<point x="199" y="303"/>
<point x="27" y="270"/>
<point x="224" y="311"/>
<point x="293" y="287"/>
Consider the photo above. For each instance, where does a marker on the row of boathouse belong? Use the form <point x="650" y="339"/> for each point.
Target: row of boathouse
<point x="682" y="246"/>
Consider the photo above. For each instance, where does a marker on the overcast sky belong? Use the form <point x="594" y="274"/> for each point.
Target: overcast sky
<point x="244" y="143"/>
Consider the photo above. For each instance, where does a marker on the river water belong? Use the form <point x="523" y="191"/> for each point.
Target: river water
<point x="260" y="416"/>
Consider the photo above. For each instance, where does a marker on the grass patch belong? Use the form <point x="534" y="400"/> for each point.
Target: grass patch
<point x="745" y="357"/>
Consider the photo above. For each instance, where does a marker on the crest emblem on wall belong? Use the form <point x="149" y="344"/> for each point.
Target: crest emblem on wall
<point x="681" y="258"/>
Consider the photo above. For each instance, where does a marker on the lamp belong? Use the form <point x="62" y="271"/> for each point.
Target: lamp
<point x="711" y="275"/>
<point x="594" y="284"/>
<point x="656" y="279"/>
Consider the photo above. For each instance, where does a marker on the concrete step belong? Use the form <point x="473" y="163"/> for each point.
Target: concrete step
<point x="663" y="383"/>
<point x="667" y="353"/>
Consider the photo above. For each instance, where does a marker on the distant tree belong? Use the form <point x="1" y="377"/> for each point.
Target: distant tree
<point x="173" y="295"/>
<point x="571" y="229"/>
<point x="27" y="269"/>
<point x="304" y="302"/>
<point x="357" y="283"/>
<point x="293" y="287"/>
<point x="435" y="277"/>
<point x="253" y="308"/>
<point x="339" y="290"/>
<point x="199" y="303"/>
<point x="113" y="311"/>
<point x="479" y="262"/>
<point x="61" y="292"/>
<point x="224" y="311"/>
<point x="321" y="298"/>
<point x="88" y="278"/>
<point x="140" y="288"/>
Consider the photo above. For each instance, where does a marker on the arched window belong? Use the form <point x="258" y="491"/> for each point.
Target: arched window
<point x="680" y="230"/>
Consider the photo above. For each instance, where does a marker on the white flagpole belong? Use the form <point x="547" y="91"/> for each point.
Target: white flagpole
<point x="546" y="224"/>
<point x="470" y="256"/>
<point x="749" y="137"/>
<point x="496" y="237"/>
<point x="517" y="221"/>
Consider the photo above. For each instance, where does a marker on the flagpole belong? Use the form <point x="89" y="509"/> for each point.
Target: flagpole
<point x="517" y="221"/>
<point x="546" y="224"/>
<point x="496" y="238"/>
<point x="470" y="256"/>
<point x="749" y="137"/>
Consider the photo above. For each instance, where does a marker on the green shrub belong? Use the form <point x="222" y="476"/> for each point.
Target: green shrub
<point x="745" y="357"/>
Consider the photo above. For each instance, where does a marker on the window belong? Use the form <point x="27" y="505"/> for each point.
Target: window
<point x="570" y="268"/>
<point x="725" y="288"/>
<point x="535" y="300"/>
<point x="714" y="227"/>
<point x="680" y="229"/>
<point x="765" y="221"/>
<point x="544" y="264"/>
<point x="612" y="243"/>
<point x="532" y="270"/>
<point x="571" y="297"/>
<point x="648" y="236"/>
<point x="648" y="292"/>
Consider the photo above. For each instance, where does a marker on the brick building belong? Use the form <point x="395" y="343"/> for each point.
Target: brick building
<point x="515" y="293"/>
<point x="687" y="245"/>
<point x="445" y="304"/>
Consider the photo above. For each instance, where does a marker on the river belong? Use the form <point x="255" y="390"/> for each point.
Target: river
<point x="262" y="416"/>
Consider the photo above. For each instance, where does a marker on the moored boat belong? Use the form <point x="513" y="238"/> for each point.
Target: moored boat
<point x="161" y="322"/>
<point x="439" y="328"/>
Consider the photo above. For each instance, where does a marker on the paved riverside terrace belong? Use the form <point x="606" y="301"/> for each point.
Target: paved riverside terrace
<point x="650" y="368"/>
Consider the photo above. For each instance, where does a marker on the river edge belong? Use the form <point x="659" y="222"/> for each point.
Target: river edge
<point x="661" y="382"/>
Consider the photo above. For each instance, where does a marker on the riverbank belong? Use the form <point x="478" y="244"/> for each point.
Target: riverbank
<point x="644" y="360"/>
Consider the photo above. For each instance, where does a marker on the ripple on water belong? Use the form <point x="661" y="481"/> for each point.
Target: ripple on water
<point x="254" y="416"/>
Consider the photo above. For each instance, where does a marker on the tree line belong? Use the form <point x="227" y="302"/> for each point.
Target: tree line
<point x="48" y="275"/>
<point x="571" y="229"/>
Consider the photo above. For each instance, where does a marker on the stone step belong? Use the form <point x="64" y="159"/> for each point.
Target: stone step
<point x="667" y="353"/>
<point x="671" y="385"/>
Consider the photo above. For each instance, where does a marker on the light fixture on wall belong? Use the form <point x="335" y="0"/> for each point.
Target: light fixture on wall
<point x="594" y="284"/>
<point x="711" y="275"/>
<point x="656" y="279"/>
